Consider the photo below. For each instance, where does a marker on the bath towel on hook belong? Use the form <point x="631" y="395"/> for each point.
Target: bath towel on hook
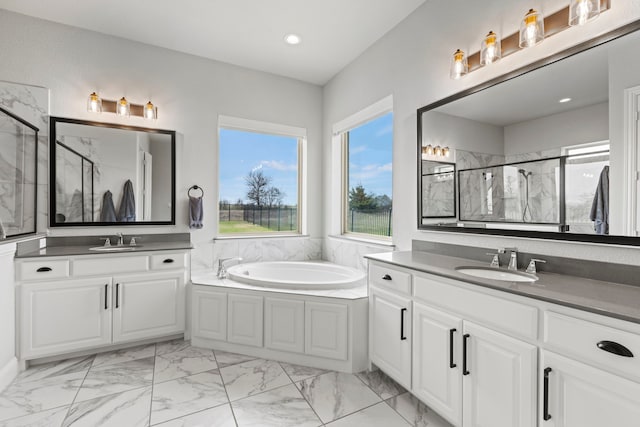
<point x="195" y="207"/>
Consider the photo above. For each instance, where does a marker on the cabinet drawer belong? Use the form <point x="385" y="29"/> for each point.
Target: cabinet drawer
<point x="390" y="278"/>
<point x="43" y="269"/>
<point x="168" y="261"/>
<point x="110" y="265"/>
<point x="502" y="314"/>
<point x="579" y="339"/>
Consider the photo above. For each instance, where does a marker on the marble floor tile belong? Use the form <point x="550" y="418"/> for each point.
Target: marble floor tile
<point x="186" y="395"/>
<point x="380" y="415"/>
<point x="130" y="409"/>
<point x="116" y="378"/>
<point x="227" y="359"/>
<point x="299" y="373"/>
<point x="53" y="369"/>
<point x="280" y="407"/>
<point x="171" y="346"/>
<point x="50" y="418"/>
<point x="256" y="376"/>
<point x="335" y="394"/>
<point x="381" y="384"/>
<point x="182" y="363"/>
<point x="35" y="396"/>
<point x="124" y="355"/>
<point x="220" y="416"/>
<point x="416" y="412"/>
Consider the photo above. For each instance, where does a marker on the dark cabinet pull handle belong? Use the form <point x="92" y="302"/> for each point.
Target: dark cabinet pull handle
<point x="106" y="297"/>
<point x="615" y="348"/>
<point x="545" y="396"/>
<point x="117" y="295"/>
<point x="451" y="332"/>
<point x="386" y="277"/>
<point x="402" y="337"/>
<point x="168" y="261"/>
<point x="465" y="337"/>
<point x="43" y="269"/>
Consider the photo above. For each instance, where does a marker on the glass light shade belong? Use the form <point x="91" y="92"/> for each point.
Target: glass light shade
<point x="490" y="49"/>
<point x="531" y="29"/>
<point x="445" y="152"/>
<point x="438" y="151"/>
<point x="427" y="150"/>
<point x="123" y="108"/>
<point x="583" y="11"/>
<point x="150" y="111"/>
<point x="459" y="65"/>
<point x="94" y="103"/>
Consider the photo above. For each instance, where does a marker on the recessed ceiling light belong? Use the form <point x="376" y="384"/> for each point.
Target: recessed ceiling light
<point x="292" y="39"/>
<point x="563" y="100"/>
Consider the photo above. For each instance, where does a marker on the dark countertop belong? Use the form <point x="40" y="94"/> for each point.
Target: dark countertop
<point x="52" y="251"/>
<point x="607" y="298"/>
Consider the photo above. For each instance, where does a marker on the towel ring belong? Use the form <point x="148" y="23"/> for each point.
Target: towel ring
<point x="195" y="187"/>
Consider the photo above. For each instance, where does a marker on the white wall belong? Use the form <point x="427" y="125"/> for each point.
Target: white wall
<point x="8" y="361"/>
<point x="462" y="134"/>
<point x="190" y="93"/>
<point x="412" y="63"/>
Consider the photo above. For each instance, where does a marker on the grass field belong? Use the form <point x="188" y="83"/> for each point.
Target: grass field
<point x="241" y="227"/>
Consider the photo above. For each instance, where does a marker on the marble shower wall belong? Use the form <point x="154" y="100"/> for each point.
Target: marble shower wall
<point x="474" y="185"/>
<point x="32" y="104"/>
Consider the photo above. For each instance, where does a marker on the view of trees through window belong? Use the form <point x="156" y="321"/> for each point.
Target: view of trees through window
<point x="369" y="196"/>
<point x="258" y="183"/>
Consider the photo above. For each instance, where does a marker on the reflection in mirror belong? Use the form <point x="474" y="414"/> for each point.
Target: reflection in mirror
<point x="110" y="174"/>
<point x="545" y="151"/>
<point x="18" y="164"/>
<point x="438" y="184"/>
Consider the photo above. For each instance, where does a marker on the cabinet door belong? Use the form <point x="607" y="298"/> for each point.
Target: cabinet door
<point x="437" y="369"/>
<point x="208" y="313"/>
<point x="61" y="316"/>
<point x="582" y="396"/>
<point x="326" y="330"/>
<point x="245" y="314"/>
<point x="499" y="386"/>
<point x="390" y="334"/>
<point x="284" y="324"/>
<point x="147" y="306"/>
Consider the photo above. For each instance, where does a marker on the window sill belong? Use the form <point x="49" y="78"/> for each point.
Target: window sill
<point x="358" y="239"/>
<point x="259" y="236"/>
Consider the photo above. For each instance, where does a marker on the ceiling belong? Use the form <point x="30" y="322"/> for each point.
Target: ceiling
<point x="249" y="33"/>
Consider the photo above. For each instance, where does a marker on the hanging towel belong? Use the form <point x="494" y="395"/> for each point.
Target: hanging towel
<point x="108" y="212"/>
<point x="3" y="234"/>
<point x="195" y="212"/>
<point x="127" y="211"/>
<point x="600" y="206"/>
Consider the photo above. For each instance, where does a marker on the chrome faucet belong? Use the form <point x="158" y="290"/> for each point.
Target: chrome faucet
<point x="513" y="258"/>
<point x="120" y="239"/>
<point x="222" y="267"/>
<point x="495" y="261"/>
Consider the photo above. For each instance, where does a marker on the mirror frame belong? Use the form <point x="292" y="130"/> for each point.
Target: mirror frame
<point x="590" y="238"/>
<point x="52" y="172"/>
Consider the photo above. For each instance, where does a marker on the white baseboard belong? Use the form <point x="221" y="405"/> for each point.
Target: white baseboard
<point x="8" y="373"/>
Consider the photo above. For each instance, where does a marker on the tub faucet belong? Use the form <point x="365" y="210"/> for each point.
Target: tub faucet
<point x="120" y="239"/>
<point x="513" y="259"/>
<point x="222" y="267"/>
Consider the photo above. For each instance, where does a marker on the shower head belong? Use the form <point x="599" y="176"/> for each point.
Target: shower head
<point x="524" y="173"/>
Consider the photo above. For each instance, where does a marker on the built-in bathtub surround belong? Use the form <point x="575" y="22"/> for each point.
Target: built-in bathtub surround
<point x="351" y="252"/>
<point x="266" y="249"/>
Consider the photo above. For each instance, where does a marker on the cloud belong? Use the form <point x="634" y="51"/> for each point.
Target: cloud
<point x="384" y="131"/>
<point x="357" y="149"/>
<point x="371" y="171"/>
<point x="279" y="166"/>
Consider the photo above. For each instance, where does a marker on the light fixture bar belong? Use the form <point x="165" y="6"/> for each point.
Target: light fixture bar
<point x="553" y="24"/>
<point x="137" y="110"/>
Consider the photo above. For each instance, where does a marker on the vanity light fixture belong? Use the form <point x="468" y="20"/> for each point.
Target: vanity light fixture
<point x="531" y="29"/>
<point x="583" y="11"/>
<point x="94" y="103"/>
<point x="437" y="151"/>
<point x="292" y="39"/>
<point x="459" y="65"/>
<point x="121" y="107"/>
<point x="490" y="50"/>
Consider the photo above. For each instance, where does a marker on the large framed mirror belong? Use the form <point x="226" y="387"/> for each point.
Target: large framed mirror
<point x="548" y="151"/>
<point x="110" y="174"/>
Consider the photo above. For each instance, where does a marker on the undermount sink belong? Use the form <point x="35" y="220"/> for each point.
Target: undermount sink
<point x="497" y="274"/>
<point x="114" y="248"/>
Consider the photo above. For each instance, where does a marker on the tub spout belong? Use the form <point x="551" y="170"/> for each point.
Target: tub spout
<point x="222" y="266"/>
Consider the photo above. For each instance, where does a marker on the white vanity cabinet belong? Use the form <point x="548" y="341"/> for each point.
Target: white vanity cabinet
<point x="84" y="302"/>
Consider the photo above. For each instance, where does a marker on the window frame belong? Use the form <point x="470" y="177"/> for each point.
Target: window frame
<point x="274" y="129"/>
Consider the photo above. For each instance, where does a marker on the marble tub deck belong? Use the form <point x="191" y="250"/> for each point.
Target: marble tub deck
<point x="173" y="384"/>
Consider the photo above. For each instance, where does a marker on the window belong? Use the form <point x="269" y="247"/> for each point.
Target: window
<point x="367" y="194"/>
<point x="260" y="167"/>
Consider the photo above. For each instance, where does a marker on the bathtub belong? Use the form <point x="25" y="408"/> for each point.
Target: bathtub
<point x="297" y="275"/>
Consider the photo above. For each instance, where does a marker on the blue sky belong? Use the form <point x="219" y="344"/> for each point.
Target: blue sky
<point x="370" y="154"/>
<point x="370" y="147"/>
<point x="241" y="152"/>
